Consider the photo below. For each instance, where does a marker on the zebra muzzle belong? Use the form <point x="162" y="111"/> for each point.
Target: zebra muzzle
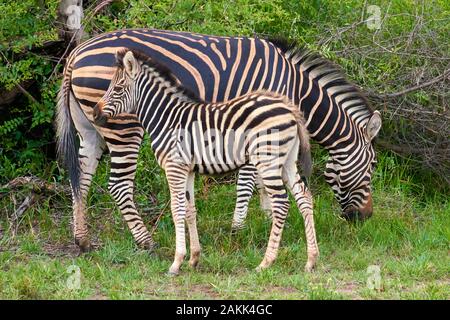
<point x="100" y="118"/>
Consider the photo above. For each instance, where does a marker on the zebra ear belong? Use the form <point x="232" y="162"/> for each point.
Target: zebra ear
<point x="373" y="125"/>
<point x="130" y="64"/>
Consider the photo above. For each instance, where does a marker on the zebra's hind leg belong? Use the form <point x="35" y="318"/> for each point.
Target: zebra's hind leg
<point x="191" y="219"/>
<point x="303" y="198"/>
<point x="264" y="200"/>
<point x="90" y="151"/>
<point x="273" y="183"/>
<point x="177" y="176"/>
<point x="121" y="181"/>
<point x="244" y="191"/>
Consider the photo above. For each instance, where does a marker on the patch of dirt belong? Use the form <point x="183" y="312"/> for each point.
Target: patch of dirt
<point x="61" y="250"/>
<point x="205" y="291"/>
<point x="283" y="290"/>
<point x="97" y="296"/>
<point x="349" y="289"/>
<point x="421" y="286"/>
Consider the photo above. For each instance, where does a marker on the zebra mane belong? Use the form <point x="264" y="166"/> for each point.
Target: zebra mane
<point x="160" y="68"/>
<point x="330" y="74"/>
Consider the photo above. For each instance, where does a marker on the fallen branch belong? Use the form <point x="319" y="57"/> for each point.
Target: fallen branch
<point x="26" y="204"/>
<point x="8" y="96"/>
<point x="406" y="150"/>
<point x="37" y="184"/>
<point x="101" y="6"/>
<point x="26" y="93"/>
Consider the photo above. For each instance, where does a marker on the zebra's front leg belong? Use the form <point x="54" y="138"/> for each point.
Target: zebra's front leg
<point x="177" y="176"/>
<point x="191" y="219"/>
<point x="121" y="181"/>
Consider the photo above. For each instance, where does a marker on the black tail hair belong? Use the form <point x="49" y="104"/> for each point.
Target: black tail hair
<point x="67" y="149"/>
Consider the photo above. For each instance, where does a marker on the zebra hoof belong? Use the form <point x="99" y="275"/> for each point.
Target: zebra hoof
<point x="84" y="245"/>
<point x="310" y="267"/>
<point x="259" y="269"/>
<point x="193" y="262"/>
<point x="172" y="273"/>
<point x="235" y="229"/>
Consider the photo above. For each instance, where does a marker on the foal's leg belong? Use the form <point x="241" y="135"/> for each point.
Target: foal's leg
<point x="264" y="200"/>
<point x="244" y="190"/>
<point x="124" y="146"/>
<point x="271" y="177"/>
<point x="245" y="186"/>
<point x="191" y="219"/>
<point x="304" y="202"/>
<point x="177" y="176"/>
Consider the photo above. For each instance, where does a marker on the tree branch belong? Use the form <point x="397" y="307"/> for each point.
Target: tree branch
<point x="412" y="89"/>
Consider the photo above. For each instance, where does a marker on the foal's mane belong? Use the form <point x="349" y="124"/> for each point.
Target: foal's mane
<point x="160" y="68"/>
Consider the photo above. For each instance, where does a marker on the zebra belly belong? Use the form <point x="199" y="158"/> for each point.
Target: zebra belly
<point x="208" y="158"/>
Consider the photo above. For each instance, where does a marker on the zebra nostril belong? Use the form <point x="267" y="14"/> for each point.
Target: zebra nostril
<point x="350" y="215"/>
<point x="354" y="215"/>
<point x="99" y="117"/>
<point x="100" y="120"/>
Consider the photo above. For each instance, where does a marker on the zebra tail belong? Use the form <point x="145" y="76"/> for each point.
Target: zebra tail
<point x="67" y="149"/>
<point x="305" y="147"/>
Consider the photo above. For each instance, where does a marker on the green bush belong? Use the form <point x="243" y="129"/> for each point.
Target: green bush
<point x="336" y="28"/>
<point x="25" y="128"/>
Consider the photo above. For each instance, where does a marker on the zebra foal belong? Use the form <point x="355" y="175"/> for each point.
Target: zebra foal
<point x="188" y="135"/>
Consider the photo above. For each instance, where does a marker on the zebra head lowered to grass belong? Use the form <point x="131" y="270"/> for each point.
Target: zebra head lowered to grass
<point x="350" y="167"/>
<point x="339" y="117"/>
<point x="215" y="68"/>
<point x="188" y="135"/>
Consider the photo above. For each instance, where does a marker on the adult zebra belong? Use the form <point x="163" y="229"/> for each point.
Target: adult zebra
<point x="216" y="69"/>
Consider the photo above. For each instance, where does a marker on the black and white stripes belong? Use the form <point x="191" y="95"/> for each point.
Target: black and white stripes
<point x="218" y="69"/>
<point x="260" y="129"/>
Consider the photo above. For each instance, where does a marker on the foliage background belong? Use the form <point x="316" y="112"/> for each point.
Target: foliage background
<point x="409" y="48"/>
<point x="411" y="227"/>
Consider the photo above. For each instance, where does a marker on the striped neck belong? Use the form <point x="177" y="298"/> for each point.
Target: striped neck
<point x="335" y="110"/>
<point x="159" y="98"/>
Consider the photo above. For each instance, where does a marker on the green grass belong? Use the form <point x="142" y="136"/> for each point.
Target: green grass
<point x="407" y="238"/>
